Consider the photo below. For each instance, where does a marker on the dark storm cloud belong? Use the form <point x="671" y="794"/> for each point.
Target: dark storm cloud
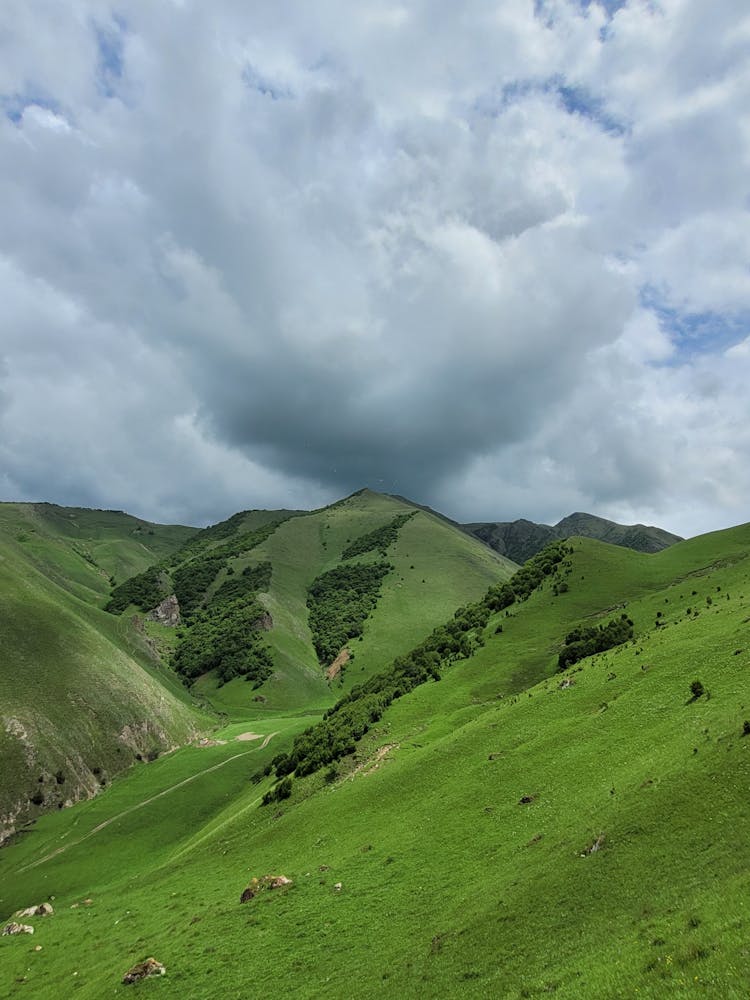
<point x="262" y="256"/>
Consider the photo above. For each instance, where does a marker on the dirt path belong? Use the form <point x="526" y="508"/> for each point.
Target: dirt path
<point x="140" y="805"/>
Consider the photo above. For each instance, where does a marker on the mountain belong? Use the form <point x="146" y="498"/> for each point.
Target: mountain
<point x="544" y="792"/>
<point x="520" y="540"/>
<point x="81" y="693"/>
<point x="432" y="568"/>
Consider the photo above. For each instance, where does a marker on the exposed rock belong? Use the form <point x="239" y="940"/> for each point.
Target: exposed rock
<point x="168" y="612"/>
<point x="260" y="698"/>
<point x="278" y="881"/>
<point x="567" y="683"/>
<point x="14" y="928"/>
<point x="338" y="664"/>
<point x="264" y="622"/>
<point x="338" y="886"/>
<point x="526" y="800"/>
<point x="257" y="885"/>
<point x="141" y="970"/>
<point x="43" y="910"/>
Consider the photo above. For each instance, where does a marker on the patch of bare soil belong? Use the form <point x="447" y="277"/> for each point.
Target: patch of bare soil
<point x="245" y="737"/>
<point x="341" y="661"/>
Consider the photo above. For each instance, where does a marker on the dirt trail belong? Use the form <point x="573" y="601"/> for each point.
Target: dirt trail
<point x="148" y="801"/>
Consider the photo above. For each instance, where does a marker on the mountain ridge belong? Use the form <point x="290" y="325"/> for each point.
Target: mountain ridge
<point x="521" y="539"/>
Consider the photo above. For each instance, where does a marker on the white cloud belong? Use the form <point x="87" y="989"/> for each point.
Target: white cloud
<point x="254" y="254"/>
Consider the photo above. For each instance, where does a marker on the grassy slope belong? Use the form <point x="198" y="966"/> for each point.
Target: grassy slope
<point x="61" y="539"/>
<point x="72" y="676"/>
<point x="437" y="568"/>
<point x="450" y="886"/>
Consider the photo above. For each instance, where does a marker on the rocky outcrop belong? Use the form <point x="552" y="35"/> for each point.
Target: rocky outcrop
<point x="168" y="612"/>
<point x="14" y="928"/>
<point x="43" y="910"/>
<point x="264" y="622"/>
<point x="257" y="885"/>
<point x="142" y="970"/>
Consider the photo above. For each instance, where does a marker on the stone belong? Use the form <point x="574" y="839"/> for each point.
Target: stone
<point x="14" y="928"/>
<point x="43" y="910"/>
<point x="142" y="970"/>
<point x="168" y="612"/>
<point x="259" y="885"/>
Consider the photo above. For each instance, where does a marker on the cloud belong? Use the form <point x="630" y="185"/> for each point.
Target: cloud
<point x="264" y="256"/>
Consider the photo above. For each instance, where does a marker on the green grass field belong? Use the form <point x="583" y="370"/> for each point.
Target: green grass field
<point x="509" y="831"/>
<point x="78" y="688"/>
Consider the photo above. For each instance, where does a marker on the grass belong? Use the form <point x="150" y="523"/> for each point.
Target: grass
<point x="437" y="568"/>
<point x="452" y="886"/>
<point x="73" y="678"/>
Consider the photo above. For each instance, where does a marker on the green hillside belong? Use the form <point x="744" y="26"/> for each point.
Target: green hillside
<point x="432" y="568"/>
<point x="507" y="831"/>
<point x="81" y="693"/>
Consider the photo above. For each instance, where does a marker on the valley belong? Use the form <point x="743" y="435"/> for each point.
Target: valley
<point x="501" y="828"/>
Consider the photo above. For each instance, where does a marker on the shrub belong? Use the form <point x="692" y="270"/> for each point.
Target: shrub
<point x="582" y="642"/>
<point x="281" y="790"/>
<point x="697" y="690"/>
<point x="144" y="590"/>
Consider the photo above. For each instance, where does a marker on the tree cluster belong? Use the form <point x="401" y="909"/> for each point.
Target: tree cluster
<point x="379" y="539"/>
<point x="145" y="591"/>
<point x="339" y="602"/>
<point x="226" y="639"/>
<point x="582" y="642"/>
<point x="525" y="580"/>
<point x="352" y="716"/>
<point x="250" y="581"/>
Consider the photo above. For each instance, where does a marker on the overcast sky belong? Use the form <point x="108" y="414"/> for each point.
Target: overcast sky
<point x="494" y="256"/>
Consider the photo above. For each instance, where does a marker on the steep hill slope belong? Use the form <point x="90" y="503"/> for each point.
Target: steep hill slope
<point x="508" y="831"/>
<point x="80" y="692"/>
<point x="425" y="568"/>
<point x="520" y="540"/>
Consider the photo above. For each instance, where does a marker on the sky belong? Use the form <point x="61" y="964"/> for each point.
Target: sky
<point x="492" y="256"/>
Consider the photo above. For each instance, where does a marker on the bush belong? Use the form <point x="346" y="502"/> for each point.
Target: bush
<point x="281" y="790"/>
<point x="582" y="642"/>
<point x="697" y="690"/>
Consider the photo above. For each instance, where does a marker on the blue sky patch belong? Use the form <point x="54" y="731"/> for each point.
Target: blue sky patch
<point x="14" y="105"/>
<point x="696" y="333"/>
<point x="110" y="45"/>
<point x="574" y="99"/>
<point x="255" y="80"/>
